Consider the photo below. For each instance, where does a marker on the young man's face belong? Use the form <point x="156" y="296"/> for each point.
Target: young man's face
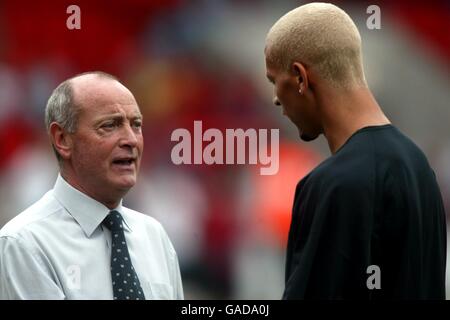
<point x="299" y="108"/>
<point x="108" y="142"/>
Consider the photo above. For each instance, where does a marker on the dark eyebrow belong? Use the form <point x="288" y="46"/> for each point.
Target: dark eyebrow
<point x="270" y="78"/>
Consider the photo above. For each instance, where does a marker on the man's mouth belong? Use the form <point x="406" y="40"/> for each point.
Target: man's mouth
<point x="124" y="161"/>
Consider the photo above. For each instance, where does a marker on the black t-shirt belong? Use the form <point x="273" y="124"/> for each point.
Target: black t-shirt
<point x="375" y="202"/>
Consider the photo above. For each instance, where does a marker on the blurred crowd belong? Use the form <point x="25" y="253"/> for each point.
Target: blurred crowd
<point x="203" y="60"/>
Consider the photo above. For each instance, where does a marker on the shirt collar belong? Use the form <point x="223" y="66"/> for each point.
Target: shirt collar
<point x="88" y="212"/>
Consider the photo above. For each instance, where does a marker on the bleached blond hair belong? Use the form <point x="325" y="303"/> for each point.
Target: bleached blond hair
<point x="324" y="38"/>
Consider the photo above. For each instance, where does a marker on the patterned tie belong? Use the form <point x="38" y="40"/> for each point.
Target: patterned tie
<point x="126" y="285"/>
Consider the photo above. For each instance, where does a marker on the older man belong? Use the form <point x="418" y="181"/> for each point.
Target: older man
<point x="78" y="241"/>
<point x="369" y="221"/>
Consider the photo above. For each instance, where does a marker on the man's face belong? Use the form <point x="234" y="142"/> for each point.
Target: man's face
<point x="299" y="108"/>
<point x="108" y="142"/>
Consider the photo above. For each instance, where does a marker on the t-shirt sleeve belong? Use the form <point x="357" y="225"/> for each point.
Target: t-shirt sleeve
<point x="23" y="275"/>
<point x="332" y="262"/>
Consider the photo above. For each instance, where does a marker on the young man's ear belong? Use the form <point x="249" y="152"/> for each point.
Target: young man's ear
<point x="302" y="77"/>
<point x="62" y="141"/>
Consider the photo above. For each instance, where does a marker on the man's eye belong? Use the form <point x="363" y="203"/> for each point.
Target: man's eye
<point x="138" y="124"/>
<point x="109" y="125"/>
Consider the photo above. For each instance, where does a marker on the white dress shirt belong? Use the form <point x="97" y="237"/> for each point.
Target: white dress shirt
<point x="59" y="249"/>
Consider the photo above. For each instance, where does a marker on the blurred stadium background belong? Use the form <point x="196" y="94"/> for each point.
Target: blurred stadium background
<point x="203" y="60"/>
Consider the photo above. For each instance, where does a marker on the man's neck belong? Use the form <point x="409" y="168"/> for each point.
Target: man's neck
<point x="345" y="114"/>
<point x="109" y="203"/>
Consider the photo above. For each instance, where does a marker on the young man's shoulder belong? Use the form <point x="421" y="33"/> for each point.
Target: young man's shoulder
<point x="369" y="157"/>
<point x="342" y="170"/>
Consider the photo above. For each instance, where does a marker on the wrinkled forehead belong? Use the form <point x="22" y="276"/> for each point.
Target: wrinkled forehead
<point x="99" y="93"/>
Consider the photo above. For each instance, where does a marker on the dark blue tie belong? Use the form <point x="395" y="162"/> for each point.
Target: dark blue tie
<point x="125" y="282"/>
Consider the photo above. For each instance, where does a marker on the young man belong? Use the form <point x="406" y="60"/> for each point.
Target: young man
<point x="368" y="222"/>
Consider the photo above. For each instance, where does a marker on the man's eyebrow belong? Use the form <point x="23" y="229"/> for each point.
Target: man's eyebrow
<point x="119" y="116"/>
<point x="270" y="78"/>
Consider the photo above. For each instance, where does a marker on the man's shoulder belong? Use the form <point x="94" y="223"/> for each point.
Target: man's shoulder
<point x="340" y="174"/>
<point x="38" y="211"/>
<point x="342" y="166"/>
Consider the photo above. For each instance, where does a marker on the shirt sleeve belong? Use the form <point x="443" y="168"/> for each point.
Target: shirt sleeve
<point x="174" y="268"/>
<point x="23" y="274"/>
<point x="176" y="278"/>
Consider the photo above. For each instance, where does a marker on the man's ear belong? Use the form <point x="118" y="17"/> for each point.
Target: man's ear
<point x="302" y="77"/>
<point x="62" y="141"/>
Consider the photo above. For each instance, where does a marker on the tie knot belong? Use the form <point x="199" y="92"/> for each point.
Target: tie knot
<point x="113" y="221"/>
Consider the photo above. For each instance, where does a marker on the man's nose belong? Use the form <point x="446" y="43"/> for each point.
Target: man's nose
<point x="276" y="101"/>
<point x="129" y="137"/>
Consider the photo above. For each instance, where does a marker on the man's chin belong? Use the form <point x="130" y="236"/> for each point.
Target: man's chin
<point x="307" y="137"/>
<point x="125" y="183"/>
